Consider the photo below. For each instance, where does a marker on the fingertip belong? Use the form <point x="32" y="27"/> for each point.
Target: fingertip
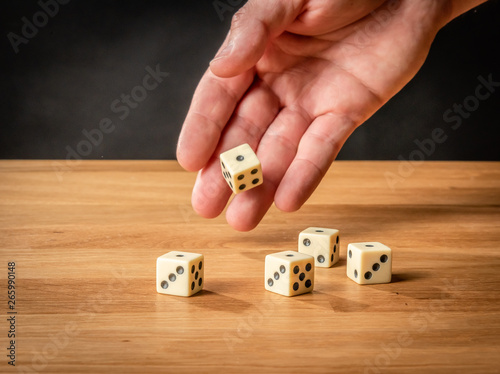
<point x="287" y="205"/>
<point x="296" y="187"/>
<point x="289" y="196"/>
<point x="188" y="163"/>
<point x="229" y="67"/>
<point x="246" y="47"/>
<point x="223" y="69"/>
<point x="223" y="65"/>
<point x="202" y="212"/>
<point x="195" y="146"/>
<point x="248" y="208"/>
<point x="210" y="194"/>
<point x="239" y="223"/>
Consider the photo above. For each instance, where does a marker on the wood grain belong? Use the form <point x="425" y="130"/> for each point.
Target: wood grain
<point x="85" y="243"/>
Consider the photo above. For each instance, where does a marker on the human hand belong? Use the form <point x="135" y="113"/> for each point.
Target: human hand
<point x="294" y="78"/>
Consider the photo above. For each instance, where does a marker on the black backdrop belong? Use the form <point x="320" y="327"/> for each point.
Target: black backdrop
<point x="63" y="79"/>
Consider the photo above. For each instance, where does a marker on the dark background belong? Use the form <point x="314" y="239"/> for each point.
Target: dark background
<point x="65" y="78"/>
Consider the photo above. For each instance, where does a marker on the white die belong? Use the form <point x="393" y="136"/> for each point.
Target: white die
<point x="321" y="243"/>
<point x="241" y="168"/>
<point x="289" y="273"/>
<point x="369" y="263"/>
<point x="179" y="273"/>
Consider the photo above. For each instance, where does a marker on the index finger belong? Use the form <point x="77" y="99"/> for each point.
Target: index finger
<point x="213" y="104"/>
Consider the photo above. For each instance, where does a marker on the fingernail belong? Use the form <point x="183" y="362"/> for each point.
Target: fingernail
<point x="225" y="52"/>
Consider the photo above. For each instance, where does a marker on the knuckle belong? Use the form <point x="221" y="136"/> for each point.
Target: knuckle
<point x="238" y="17"/>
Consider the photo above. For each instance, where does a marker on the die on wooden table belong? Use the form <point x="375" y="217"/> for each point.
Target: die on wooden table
<point x="369" y="263"/>
<point x="321" y="243"/>
<point x="289" y="273"/>
<point x="241" y="168"/>
<point x="179" y="273"/>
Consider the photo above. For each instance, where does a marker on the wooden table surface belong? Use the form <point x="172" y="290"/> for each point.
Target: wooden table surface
<point x="84" y="239"/>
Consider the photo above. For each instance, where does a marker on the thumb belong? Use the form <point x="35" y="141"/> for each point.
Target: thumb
<point x="252" y="27"/>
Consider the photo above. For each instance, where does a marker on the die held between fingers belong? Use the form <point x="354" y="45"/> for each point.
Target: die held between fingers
<point x="241" y="168"/>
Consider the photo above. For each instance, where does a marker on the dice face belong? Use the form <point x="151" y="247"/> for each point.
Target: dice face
<point x="289" y="273"/>
<point x="179" y="273"/>
<point x="369" y="263"/>
<point x="241" y="168"/>
<point x="321" y="243"/>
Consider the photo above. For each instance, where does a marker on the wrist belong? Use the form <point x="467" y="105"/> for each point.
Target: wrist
<point x="455" y="8"/>
<point x="427" y="17"/>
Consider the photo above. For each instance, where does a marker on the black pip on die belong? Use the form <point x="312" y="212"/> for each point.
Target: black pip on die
<point x="179" y="273"/>
<point x="369" y="263"/>
<point x="321" y="243"/>
<point x="289" y="273"/>
<point x="241" y="168"/>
